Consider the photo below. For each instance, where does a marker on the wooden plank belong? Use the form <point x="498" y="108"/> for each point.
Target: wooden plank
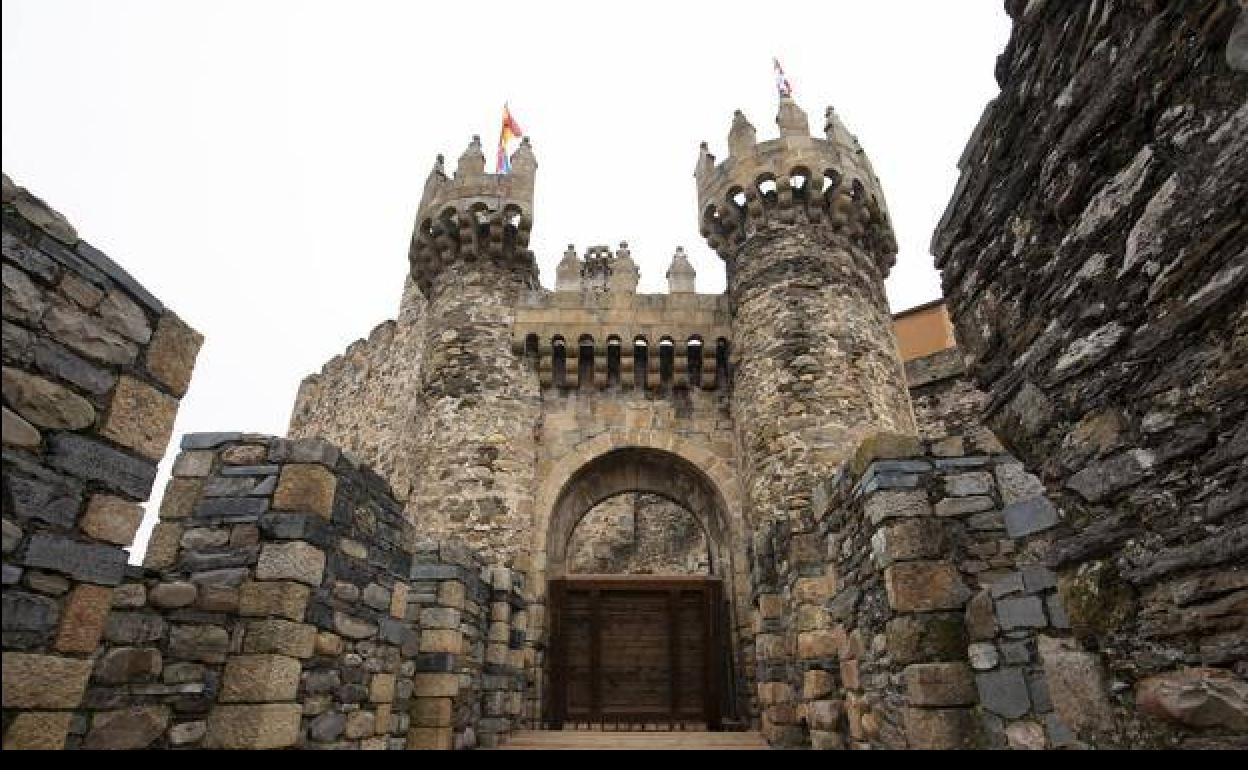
<point x="595" y="656"/>
<point x="673" y="652"/>
<point x="710" y="657"/>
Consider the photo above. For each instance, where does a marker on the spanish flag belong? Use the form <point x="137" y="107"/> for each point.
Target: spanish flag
<point x="511" y="131"/>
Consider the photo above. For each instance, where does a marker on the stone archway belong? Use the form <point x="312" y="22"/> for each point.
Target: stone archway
<point x="660" y="471"/>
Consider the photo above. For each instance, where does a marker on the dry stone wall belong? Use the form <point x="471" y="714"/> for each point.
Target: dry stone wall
<point x="285" y="602"/>
<point x="94" y="368"/>
<point x="1095" y="263"/>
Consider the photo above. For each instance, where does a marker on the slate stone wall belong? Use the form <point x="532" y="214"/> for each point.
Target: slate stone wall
<point x="1095" y="262"/>
<point x="285" y="602"/>
<point x="94" y="368"/>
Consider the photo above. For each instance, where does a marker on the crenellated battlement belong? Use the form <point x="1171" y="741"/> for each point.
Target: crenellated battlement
<point x="474" y="215"/>
<point x="796" y="178"/>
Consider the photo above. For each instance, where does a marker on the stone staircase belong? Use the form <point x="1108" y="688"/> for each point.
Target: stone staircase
<point x="609" y="740"/>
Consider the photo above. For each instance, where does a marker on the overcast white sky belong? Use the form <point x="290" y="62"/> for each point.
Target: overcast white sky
<point x="257" y="164"/>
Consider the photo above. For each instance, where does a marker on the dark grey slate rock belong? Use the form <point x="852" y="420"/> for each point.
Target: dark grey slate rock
<point x="1004" y="692"/>
<point x="29" y="612"/>
<point x="29" y="259"/>
<point x="231" y="506"/>
<point x="58" y="362"/>
<point x="327" y="727"/>
<point x="208" y="440"/>
<point x="42" y="495"/>
<point x="1024" y="612"/>
<point x="95" y="461"/>
<point x="1027" y="517"/>
<point x="251" y="470"/>
<point x="100" y="261"/>
<point x="88" y="562"/>
<point x="134" y="627"/>
<point x="1037" y="578"/>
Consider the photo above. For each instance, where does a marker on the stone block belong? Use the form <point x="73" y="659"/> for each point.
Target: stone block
<point x="910" y="540"/>
<point x="359" y="724"/>
<point x="162" y="546"/>
<point x="38" y="730"/>
<point x="353" y="627"/>
<point x="1201" y="698"/>
<point x="134" y="627"/>
<point x="940" y="729"/>
<point x="884" y="446"/>
<point x="92" y="460"/>
<point x="1022" y="612"/>
<point x="435" y="685"/>
<point x="43" y="681"/>
<point x="25" y="612"/>
<point x="441" y="640"/>
<point x="297" y="561"/>
<point x="187" y="733"/>
<point x="1004" y="692"/>
<point x="432" y="712"/>
<point x="817" y="684"/>
<point x="282" y="637"/>
<point x="173" y="595"/>
<point x="819" y="644"/>
<point x="260" y="678"/>
<point x="87" y="562"/>
<point x="430" y="738"/>
<point x="196" y="463"/>
<point x="398" y="600"/>
<point x="45" y="403"/>
<point x="888" y="504"/>
<point x="924" y="586"/>
<point x="939" y="684"/>
<point x="122" y="665"/>
<point x="306" y="487"/>
<point x="83" y="617"/>
<point x="87" y="335"/>
<point x="1027" y="517"/>
<point x="181" y="495"/>
<point x="825" y="714"/>
<point x="851" y="676"/>
<point x="771" y="606"/>
<point x="282" y="599"/>
<point x="140" y="417"/>
<point x="259" y="726"/>
<point x="111" y="519"/>
<point x="969" y="484"/>
<point x="963" y="506"/>
<point x="136" y="727"/>
<point x="327" y="727"/>
<point x="381" y="688"/>
<point x="172" y="353"/>
<point x="1025" y="735"/>
<point x="17" y="432"/>
<point x="203" y="643"/>
<point x="814" y="589"/>
<point x="981" y="622"/>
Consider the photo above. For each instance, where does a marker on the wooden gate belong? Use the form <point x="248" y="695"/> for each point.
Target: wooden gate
<point x="635" y="650"/>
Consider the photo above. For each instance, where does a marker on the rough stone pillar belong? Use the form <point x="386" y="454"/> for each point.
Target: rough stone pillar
<point x="802" y="227"/>
<point x="474" y="418"/>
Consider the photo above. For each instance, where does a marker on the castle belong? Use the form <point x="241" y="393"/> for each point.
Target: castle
<point x="890" y="548"/>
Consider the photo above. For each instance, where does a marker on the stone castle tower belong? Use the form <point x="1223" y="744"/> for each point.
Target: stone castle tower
<point x="803" y="230"/>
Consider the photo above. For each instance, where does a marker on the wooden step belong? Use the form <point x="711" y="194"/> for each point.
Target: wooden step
<point x="596" y="740"/>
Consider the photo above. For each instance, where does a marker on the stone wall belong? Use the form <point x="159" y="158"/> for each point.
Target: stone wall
<point x="284" y="602"/>
<point x="363" y="399"/>
<point x="914" y="611"/>
<point x="1094" y="260"/>
<point x="639" y="534"/>
<point x="94" y="367"/>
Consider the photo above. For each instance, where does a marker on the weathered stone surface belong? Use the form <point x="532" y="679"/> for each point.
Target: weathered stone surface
<point x="939" y="684"/>
<point x="123" y="316"/>
<point x="360" y="724"/>
<point x="1024" y="612"/>
<point x="1027" y="517"/>
<point x="1077" y="685"/>
<point x="1196" y="697"/>
<point x="296" y="561"/>
<point x="327" y="727"/>
<point x="172" y="595"/>
<point x="283" y="599"/>
<point x="983" y="656"/>
<point x="162" y="546"/>
<point x="87" y="335"/>
<point x="961" y="506"/>
<point x="43" y="681"/>
<point x="896" y="503"/>
<point x="926" y="637"/>
<point x="939" y="729"/>
<point x="38" y="730"/>
<point x="45" y="403"/>
<point x="133" y="728"/>
<point x="134" y="627"/>
<point x="974" y="484"/>
<point x="207" y="644"/>
<point x="83" y="618"/>
<point x="22" y="299"/>
<point x="1004" y="692"/>
<point x="305" y="487"/>
<point x="89" y="562"/>
<point x="180" y="497"/>
<point x="171" y="356"/>
<point x="910" y="540"/>
<point x="19" y="433"/>
<point x="261" y="726"/>
<point x="25" y="612"/>
<point x="924" y="586"/>
<point x="111" y="519"/>
<point x="93" y="461"/>
<point x="187" y="733"/>
<point x="60" y="364"/>
<point x="260" y="678"/>
<point x="140" y="417"/>
<point x="283" y="637"/>
<point x="128" y="664"/>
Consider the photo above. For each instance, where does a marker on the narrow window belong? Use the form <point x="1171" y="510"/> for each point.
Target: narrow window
<point x="585" y="362"/>
<point x="559" y="361"/>
<point x="641" y="362"/>
<point x="613" y="361"/>
<point x="695" y="361"/>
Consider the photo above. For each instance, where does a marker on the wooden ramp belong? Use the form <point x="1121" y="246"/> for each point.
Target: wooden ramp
<point x="596" y="740"/>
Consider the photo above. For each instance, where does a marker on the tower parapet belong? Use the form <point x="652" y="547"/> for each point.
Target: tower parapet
<point x="475" y="216"/>
<point x="796" y="177"/>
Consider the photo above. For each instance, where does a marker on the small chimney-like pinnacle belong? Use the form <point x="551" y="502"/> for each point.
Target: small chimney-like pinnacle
<point x="523" y="161"/>
<point x="792" y="119"/>
<point x="681" y="277"/>
<point x="742" y="137"/>
<point x="472" y="162"/>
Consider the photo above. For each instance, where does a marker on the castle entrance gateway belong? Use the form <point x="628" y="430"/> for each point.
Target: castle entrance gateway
<point x="629" y="650"/>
